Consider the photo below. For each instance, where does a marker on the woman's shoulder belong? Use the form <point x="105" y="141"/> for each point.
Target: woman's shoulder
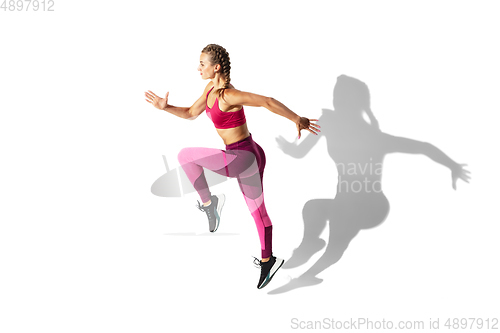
<point x="228" y="94"/>
<point x="208" y="87"/>
<point x="231" y="90"/>
<point x="229" y="97"/>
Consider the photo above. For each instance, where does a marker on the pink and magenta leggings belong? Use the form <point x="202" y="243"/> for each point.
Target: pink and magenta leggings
<point x="244" y="160"/>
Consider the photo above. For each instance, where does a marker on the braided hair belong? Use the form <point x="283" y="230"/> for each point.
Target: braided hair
<point x="219" y="56"/>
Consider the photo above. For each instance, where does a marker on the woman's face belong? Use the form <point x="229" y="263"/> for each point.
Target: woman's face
<point x="206" y="69"/>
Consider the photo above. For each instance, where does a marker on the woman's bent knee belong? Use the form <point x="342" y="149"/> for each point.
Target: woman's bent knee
<point x="183" y="155"/>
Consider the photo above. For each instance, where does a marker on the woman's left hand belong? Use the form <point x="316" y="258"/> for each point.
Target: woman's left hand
<point x="305" y="123"/>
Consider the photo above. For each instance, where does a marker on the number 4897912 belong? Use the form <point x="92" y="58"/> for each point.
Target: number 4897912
<point x="27" y="5"/>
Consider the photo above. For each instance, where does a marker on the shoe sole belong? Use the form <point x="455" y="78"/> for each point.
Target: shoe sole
<point x="221" y="199"/>
<point x="274" y="269"/>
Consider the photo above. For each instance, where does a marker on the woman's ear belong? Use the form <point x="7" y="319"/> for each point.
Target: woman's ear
<point x="217" y="68"/>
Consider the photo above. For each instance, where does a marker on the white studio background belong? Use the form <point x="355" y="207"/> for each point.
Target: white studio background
<point x="86" y="247"/>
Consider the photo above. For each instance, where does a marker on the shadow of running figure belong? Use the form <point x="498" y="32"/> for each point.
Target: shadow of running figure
<point x="358" y="148"/>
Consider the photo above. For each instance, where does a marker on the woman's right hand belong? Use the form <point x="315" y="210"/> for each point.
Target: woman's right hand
<point x="158" y="102"/>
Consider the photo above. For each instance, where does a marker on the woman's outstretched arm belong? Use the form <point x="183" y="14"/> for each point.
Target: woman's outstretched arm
<point x="190" y="113"/>
<point x="237" y="97"/>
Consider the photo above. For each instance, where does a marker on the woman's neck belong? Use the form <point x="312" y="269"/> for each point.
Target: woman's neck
<point x="218" y="82"/>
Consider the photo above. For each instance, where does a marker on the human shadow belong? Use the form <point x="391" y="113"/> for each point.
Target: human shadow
<point x="358" y="147"/>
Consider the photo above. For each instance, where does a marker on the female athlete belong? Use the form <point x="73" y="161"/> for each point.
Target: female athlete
<point x="243" y="158"/>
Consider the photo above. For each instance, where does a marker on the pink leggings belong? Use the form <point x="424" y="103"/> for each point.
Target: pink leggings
<point x="244" y="160"/>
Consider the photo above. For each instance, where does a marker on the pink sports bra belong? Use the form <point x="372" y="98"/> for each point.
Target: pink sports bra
<point x="223" y="120"/>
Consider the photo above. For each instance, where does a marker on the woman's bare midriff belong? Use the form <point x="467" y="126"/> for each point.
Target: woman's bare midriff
<point x="235" y="134"/>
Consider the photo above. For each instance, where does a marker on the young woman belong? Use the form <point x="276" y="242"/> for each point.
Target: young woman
<point x="243" y="158"/>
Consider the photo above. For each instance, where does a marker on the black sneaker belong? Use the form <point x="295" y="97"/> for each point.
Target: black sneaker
<point x="213" y="211"/>
<point x="267" y="270"/>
